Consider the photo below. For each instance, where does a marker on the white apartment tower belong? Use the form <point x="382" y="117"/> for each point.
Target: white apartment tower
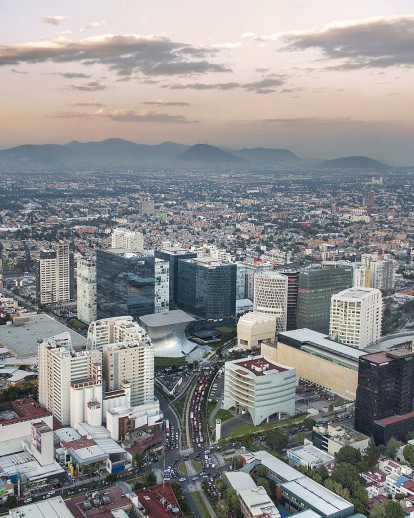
<point x="63" y="371"/>
<point x="361" y="276"/>
<point x="356" y="315"/>
<point x="162" y="286"/>
<point x="112" y="330"/>
<point x="129" y="239"/>
<point x="55" y="275"/>
<point x="131" y="362"/>
<point x="382" y="270"/>
<point x="86" y="290"/>
<point x="271" y="295"/>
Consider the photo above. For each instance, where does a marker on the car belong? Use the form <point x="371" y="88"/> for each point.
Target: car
<point x="182" y="479"/>
<point x="28" y="500"/>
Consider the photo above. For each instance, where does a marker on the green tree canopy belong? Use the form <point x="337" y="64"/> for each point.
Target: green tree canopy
<point x="348" y="454"/>
<point x="408" y="453"/>
<point x="371" y="454"/>
<point x="392" y="447"/>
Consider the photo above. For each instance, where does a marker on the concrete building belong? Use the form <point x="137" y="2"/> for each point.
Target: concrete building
<point x="55" y="275"/>
<point x="356" y="316"/>
<point x="130" y="239"/>
<point x="86" y="289"/>
<point x="382" y="270"/>
<point x="254" y="328"/>
<point x="162" y="286"/>
<point x="309" y="456"/>
<point x="316" y="287"/>
<point x="260" y="387"/>
<point x="361" y="276"/>
<point x="107" y="330"/>
<point x="122" y="420"/>
<point x="61" y="370"/>
<point x="292" y="298"/>
<point x="271" y="295"/>
<point x="172" y="255"/>
<point x="332" y="437"/>
<point x="318" y="359"/>
<point x="132" y="362"/>
<point x="207" y="287"/>
<point x="251" y="268"/>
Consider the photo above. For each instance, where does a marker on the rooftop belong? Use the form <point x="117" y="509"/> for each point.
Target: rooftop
<point x="355" y="294"/>
<point x="21" y="410"/>
<point x="117" y="501"/>
<point x="52" y="508"/>
<point x="21" y="338"/>
<point x="151" y="501"/>
<point x="260" y="366"/>
<point x="386" y="356"/>
<point x="395" y="419"/>
<point x="177" y="316"/>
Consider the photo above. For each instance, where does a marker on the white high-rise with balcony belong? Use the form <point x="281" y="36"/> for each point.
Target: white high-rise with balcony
<point x="382" y="270"/>
<point x="111" y="330"/>
<point x="61" y="370"/>
<point x="271" y="295"/>
<point x="86" y="291"/>
<point x="356" y="315"/>
<point x="130" y="239"/>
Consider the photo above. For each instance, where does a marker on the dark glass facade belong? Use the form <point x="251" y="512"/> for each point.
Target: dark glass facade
<point x="173" y="257"/>
<point x="316" y="288"/>
<point x="292" y="299"/>
<point x="207" y="288"/>
<point x="385" y="388"/>
<point x="125" y="283"/>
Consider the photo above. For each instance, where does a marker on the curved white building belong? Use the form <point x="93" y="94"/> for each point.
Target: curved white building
<point x="259" y="386"/>
<point x="271" y="296"/>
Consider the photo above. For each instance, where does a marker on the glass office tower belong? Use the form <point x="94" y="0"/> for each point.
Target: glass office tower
<point x="125" y="283"/>
<point x="207" y="287"/>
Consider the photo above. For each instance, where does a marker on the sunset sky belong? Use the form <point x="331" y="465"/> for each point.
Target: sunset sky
<point x="323" y="78"/>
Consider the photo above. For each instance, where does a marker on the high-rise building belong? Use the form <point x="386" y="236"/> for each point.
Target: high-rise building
<point x="292" y="298"/>
<point x="361" y="276"/>
<point x="356" y="317"/>
<point x="62" y="373"/>
<point x="382" y="270"/>
<point x="146" y="207"/>
<point x="55" y="275"/>
<point x="251" y="267"/>
<point x="173" y="255"/>
<point x="207" y="287"/>
<point x="126" y="284"/>
<point x="86" y="289"/>
<point x="260" y="387"/>
<point x="316" y="287"/>
<point x="107" y="331"/>
<point x="130" y="239"/>
<point x="162" y="286"/>
<point x="271" y="295"/>
<point x="132" y="362"/>
<point x="385" y="390"/>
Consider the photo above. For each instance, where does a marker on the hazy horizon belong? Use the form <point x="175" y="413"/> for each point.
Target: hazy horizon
<point x="323" y="80"/>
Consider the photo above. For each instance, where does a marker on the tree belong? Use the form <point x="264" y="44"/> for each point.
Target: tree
<point x="388" y="509"/>
<point x="260" y="470"/>
<point x="277" y="440"/>
<point x="309" y="423"/>
<point x="264" y="483"/>
<point x="348" y="454"/>
<point x="10" y="502"/>
<point x="409" y="436"/>
<point x="392" y="447"/>
<point x="138" y="459"/>
<point x="371" y="453"/>
<point x="149" y="479"/>
<point x="408" y="453"/>
<point x="222" y="509"/>
<point x="110" y="478"/>
<point x="300" y="437"/>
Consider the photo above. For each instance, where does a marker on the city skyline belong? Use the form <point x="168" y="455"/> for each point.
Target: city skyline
<point x="323" y="81"/>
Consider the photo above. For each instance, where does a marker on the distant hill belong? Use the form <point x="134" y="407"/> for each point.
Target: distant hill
<point x="354" y="162"/>
<point x="268" y="155"/>
<point x="110" y="152"/>
<point x="208" y="155"/>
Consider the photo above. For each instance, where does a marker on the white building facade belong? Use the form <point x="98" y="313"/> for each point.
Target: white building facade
<point x="102" y="332"/>
<point x="260" y="387"/>
<point x="162" y="286"/>
<point x="130" y="239"/>
<point x="55" y="275"/>
<point x="86" y="290"/>
<point x="356" y="317"/>
<point x="382" y="270"/>
<point x="271" y="296"/>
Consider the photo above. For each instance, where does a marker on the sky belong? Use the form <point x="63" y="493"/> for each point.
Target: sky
<point x="323" y="78"/>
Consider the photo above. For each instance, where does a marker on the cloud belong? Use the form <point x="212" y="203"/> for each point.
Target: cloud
<point x="92" y="86"/>
<point x="88" y="103"/>
<point x="248" y="35"/>
<point x="73" y="75"/>
<point x="15" y="71"/>
<point x="54" y="20"/>
<point x="126" y="54"/>
<point x="163" y="102"/>
<point x="266" y="85"/>
<point x="366" y="43"/>
<point x="127" y="116"/>
<point x="92" y="25"/>
<point x="290" y="121"/>
<point x="228" y="45"/>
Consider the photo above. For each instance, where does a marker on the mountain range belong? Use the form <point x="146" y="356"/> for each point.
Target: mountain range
<point x="115" y="152"/>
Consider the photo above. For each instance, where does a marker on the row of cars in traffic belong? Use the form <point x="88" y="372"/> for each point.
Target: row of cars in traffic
<point x="171" y="437"/>
<point x="197" y="405"/>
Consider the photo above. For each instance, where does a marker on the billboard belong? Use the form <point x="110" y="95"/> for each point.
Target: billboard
<point x="36" y="439"/>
